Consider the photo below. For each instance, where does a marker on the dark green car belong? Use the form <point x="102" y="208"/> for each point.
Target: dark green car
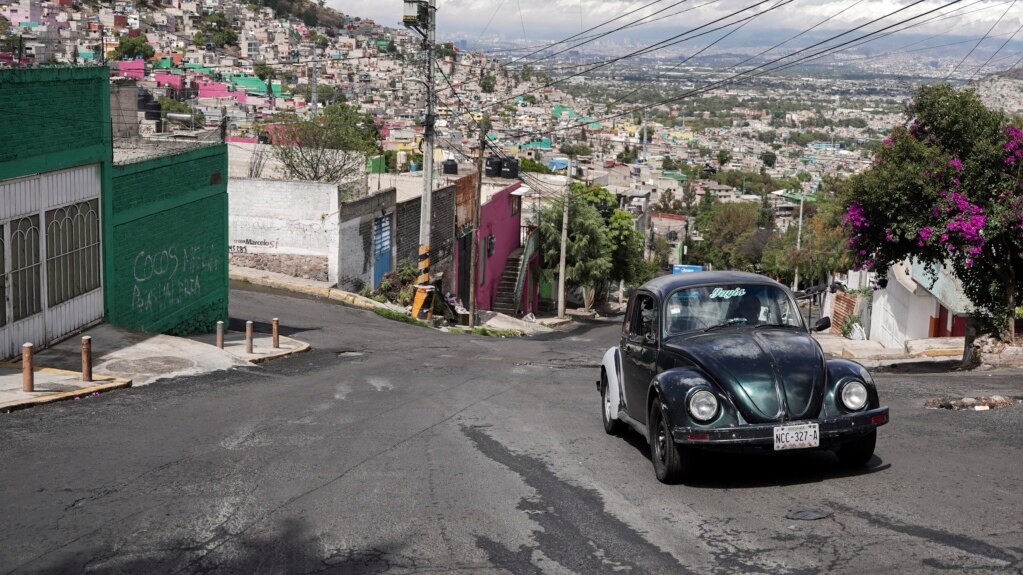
<point x="724" y="360"/>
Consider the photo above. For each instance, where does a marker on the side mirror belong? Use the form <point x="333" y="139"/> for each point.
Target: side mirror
<point x="822" y="324"/>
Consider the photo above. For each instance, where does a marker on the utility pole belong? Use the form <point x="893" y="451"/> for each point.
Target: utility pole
<point x="564" y="242"/>
<point x="474" y="252"/>
<point x="420" y="15"/>
<point x="312" y="87"/>
<point x="799" y="237"/>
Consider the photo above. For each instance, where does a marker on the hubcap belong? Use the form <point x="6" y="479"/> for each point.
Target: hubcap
<point x="607" y="404"/>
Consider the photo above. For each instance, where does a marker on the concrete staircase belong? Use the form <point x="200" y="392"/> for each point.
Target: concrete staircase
<point x="504" y="301"/>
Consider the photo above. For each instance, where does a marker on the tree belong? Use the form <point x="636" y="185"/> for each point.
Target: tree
<point x="575" y="150"/>
<point x="626" y="247"/>
<point x="169" y="105"/>
<point x="586" y="252"/>
<point x="129" y="47"/>
<point x="264" y="71"/>
<point x="531" y="165"/>
<point x="627" y="155"/>
<point x="597" y="196"/>
<point x="330" y="147"/>
<point x="488" y="83"/>
<point x="668" y="164"/>
<point x="765" y="220"/>
<point x="769" y="159"/>
<point x="947" y="191"/>
<point x="724" y="156"/>
<point x="727" y="226"/>
<point x="669" y="204"/>
<point x="326" y="94"/>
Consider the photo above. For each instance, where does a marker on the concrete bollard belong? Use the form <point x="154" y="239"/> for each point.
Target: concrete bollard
<point x="86" y="358"/>
<point x="28" y="382"/>
<point x="277" y="334"/>
<point x="248" y="337"/>
<point x="220" y="334"/>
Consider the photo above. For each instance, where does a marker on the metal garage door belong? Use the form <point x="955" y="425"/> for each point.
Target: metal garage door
<point x="50" y="266"/>
<point x="381" y="248"/>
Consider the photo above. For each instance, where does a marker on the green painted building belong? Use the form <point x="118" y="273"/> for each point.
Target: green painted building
<point x="165" y="236"/>
<point x="142" y="244"/>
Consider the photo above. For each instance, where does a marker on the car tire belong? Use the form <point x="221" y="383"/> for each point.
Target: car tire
<point x="611" y="426"/>
<point x="672" y="462"/>
<point x="857" y="452"/>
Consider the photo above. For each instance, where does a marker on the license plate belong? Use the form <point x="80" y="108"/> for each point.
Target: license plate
<point x="796" y="436"/>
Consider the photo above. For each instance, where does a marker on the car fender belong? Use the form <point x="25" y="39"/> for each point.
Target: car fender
<point x="840" y="370"/>
<point x="672" y="386"/>
<point x="611" y="365"/>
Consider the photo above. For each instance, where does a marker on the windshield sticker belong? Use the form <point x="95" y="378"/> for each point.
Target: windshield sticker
<point x="727" y="293"/>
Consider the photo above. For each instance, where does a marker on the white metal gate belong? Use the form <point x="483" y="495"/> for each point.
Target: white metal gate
<point x="50" y="259"/>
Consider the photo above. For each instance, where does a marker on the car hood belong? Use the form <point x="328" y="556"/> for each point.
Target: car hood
<point x="771" y="374"/>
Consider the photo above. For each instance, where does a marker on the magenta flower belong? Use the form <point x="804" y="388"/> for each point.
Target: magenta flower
<point x="925" y="232"/>
<point x="956" y="164"/>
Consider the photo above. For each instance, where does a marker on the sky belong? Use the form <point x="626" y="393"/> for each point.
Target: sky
<point x="534" y="20"/>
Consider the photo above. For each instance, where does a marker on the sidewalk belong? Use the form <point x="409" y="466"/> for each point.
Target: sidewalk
<point x="123" y="358"/>
<point x="304" y="286"/>
<point x="873" y="354"/>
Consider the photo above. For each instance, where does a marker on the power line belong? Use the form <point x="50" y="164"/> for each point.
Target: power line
<point x="653" y="47"/>
<point x="704" y="49"/>
<point x="750" y="73"/>
<point x="988" y="61"/>
<point x="952" y="71"/>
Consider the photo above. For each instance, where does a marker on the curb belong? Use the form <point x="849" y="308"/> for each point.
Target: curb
<point x="334" y="294"/>
<point x="112" y="383"/>
<point x="300" y="349"/>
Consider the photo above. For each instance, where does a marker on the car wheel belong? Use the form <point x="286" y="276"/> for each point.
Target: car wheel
<point x="672" y="462"/>
<point x="611" y="426"/>
<point x="858" y="452"/>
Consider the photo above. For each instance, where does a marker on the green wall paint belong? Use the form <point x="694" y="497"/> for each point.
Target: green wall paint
<point x="165" y="243"/>
<point x="53" y="119"/>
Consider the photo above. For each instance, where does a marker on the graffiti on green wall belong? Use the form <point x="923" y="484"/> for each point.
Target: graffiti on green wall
<point x="166" y="247"/>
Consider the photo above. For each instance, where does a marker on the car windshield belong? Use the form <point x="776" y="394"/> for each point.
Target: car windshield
<point x="708" y="307"/>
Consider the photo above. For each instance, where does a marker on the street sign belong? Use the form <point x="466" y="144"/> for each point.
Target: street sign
<point x="684" y="269"/>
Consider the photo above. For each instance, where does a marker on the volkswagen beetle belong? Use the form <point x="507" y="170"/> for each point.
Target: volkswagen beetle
<point x="724" y="360"/>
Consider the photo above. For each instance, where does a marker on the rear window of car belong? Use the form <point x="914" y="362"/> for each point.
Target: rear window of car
<point x="702" y="307"/>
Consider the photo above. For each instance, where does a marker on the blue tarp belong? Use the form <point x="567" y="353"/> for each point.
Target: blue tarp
<point x="558" y="164"/>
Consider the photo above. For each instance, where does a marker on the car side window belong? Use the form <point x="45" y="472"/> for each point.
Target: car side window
<point x="643" y="322"/>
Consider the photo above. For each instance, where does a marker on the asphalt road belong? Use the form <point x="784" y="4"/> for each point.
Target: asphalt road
<point x="393" y="448"/>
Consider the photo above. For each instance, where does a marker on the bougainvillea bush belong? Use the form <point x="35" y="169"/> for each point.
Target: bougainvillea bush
<point x="947" y="190"/>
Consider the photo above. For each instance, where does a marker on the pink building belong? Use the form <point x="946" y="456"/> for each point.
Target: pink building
<point x="220" y="90"/>
<point x="500" y="258"/>
<point x="173" y="80"/>
<point x="131" y="68"/>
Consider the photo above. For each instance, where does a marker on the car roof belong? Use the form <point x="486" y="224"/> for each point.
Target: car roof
<point x="664" y="285"/>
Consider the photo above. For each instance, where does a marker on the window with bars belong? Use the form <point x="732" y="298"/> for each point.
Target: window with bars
<point x="72" y="251"/>
<point x="26" y="268"/>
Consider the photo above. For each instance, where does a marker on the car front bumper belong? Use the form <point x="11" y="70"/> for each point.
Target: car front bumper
<point x="833" y="431"/>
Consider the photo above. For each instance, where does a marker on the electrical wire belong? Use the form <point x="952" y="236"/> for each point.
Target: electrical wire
<point x="952" y="71"/>
<point x="988" y="61"/>
<point x="764" y="68"/>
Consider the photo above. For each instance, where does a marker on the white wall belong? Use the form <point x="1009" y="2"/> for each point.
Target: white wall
<point x="284" y="217"/>
<point x="901" y="312"/>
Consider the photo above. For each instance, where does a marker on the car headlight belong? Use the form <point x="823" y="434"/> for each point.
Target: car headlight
<point x="854" y="396"/>
<point x="703" y="405"/>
